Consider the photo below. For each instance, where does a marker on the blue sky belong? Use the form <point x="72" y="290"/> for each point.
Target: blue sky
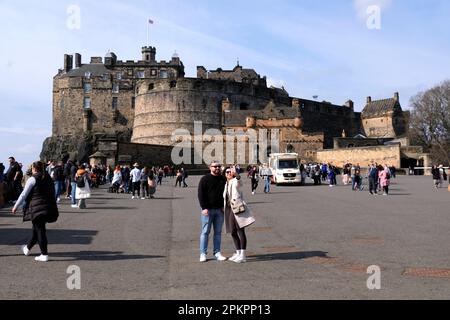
<point x="321" y="48"/>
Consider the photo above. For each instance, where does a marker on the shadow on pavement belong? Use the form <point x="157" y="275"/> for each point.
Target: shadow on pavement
<point x="12" y="236"/>
<point x="104" y="208"/>
<point x="98" y="256"/>
<point x="89" y="256"/>
<point x="287" y="256"/>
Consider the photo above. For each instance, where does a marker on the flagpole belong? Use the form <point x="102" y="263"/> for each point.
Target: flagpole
<point x="148" y="26"/>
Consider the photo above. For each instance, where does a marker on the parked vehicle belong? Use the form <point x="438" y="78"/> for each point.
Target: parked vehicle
<point x="285" y="168"/>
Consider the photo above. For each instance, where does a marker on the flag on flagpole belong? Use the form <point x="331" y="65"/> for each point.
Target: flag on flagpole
<point x="150" y="21"/>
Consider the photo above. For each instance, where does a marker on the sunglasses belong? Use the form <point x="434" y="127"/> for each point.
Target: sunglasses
<point x="216" y="167"/>
<point x="227" y="172"/>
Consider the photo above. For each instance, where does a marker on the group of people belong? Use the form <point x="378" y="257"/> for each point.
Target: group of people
<point x="10" y="182"/>
<point x="218" y="193"/>
<point x="143" y="181"/>
<point x="439" y="175"/>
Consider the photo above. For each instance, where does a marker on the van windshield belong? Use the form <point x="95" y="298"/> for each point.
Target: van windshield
<point x="287" y="164"/>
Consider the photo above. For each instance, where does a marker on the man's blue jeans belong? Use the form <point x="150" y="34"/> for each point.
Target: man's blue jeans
<point x="267" y="185"/>
<point x="215" y="218"/>
<point x="58" y="188"/>
<point x="74" y="188"/>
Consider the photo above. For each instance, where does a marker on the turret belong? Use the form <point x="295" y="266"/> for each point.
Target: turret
<point x="149" y="54"/>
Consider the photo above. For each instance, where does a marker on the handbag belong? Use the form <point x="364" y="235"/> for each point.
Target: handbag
<point x="237" y="206"/>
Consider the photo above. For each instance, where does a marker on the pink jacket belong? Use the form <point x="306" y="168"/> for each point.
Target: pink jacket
<point x="384" y="181"/>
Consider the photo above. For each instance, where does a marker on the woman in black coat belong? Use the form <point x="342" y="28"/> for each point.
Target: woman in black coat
<point x="40" y="208"/>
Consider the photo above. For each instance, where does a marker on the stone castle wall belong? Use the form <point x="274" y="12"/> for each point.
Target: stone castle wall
<point x="164" y="105"/>
<point x="69" y="110"/>
<point x="389" y="155"/>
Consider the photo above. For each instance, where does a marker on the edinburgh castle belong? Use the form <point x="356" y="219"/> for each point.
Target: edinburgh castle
<point x="127" y="111"/>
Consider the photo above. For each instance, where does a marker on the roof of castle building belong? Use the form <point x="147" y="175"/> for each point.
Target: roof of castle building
<point x="379" y="108"/>
<point x="96" y="70"/>
<point x="271" y="111"/>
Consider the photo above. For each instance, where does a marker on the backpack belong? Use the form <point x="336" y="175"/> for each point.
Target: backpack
<point x="81" y="183"/>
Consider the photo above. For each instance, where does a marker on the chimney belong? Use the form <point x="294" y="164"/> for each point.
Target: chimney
<point x="349" y="104"/>
<point x="396" y="96"/>
<point x="369" y="99"/>
<point x="68" y="62"/>
<point x="77" y="60"/>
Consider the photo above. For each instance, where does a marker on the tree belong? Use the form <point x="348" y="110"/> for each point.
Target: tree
<point x="430" y="122"/>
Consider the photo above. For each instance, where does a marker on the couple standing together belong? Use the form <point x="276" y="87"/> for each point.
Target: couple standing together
<point x="216" y="194"/>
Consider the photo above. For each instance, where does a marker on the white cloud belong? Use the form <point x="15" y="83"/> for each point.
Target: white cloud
<point x="26" y="131"/>
<point x="28" y="149"/>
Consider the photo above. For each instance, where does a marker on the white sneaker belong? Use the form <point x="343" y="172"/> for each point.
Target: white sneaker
<point x="58" y="200"/>
<point x="132" y="197"/>
<point x="253" y="192"/>
<point x="142" y="198"/>
<point x="220" y="257"/>
<point x="234" y="256"/>
<point x="25" y="250"/>
<point x="240" y="259"/>
<point x="202" y="257"/>
<point x="74" y="206"/>
<point x="41" y="258"/>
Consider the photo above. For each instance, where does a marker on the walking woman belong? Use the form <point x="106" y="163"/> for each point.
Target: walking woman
<point x="83" y="191"/>
<point x="236" y="224"/>
<point x="40" y="208"/>
<point x="151" y="184"/>
<point x="385" y="177"/>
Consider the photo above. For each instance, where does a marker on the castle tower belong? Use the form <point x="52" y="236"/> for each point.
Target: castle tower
<point x="149" y="54"/>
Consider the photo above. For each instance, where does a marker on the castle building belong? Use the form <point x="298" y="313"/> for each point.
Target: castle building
<point x="128" y="110"/>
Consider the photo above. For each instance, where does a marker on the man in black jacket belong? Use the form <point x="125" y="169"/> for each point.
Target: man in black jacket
<point x="210" y="196"/>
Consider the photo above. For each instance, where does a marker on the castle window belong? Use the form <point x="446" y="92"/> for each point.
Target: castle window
<point x="153" y="72"/>
<point x="163" y="74"/>
<point x="130" y="72"/>
<point x="151" y="86"/>
<point x="290" y="148"/>
<point x="115" y="103"/>
<point x="140" y="74"/>
<point x="87" y="103"/>
<point x="105" y="76"/>
<point x="119" y="76"/>
<point x="133" y="102"/>
<point x="243" y="106"/>
<point x="173" y="84"/>
<point x="87" y="75"/>
<point x="115" y="88"/>
<point x="61" y="103"/>
<point x="87" y="87"/>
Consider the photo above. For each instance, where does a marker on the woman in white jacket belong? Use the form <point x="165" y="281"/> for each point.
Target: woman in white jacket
<point x="236" y="223"/>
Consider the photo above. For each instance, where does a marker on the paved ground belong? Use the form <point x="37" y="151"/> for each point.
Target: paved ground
<point x="308" y="243"/>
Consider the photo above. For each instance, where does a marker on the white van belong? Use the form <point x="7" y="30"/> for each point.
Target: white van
<point x="285" y="168"/>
